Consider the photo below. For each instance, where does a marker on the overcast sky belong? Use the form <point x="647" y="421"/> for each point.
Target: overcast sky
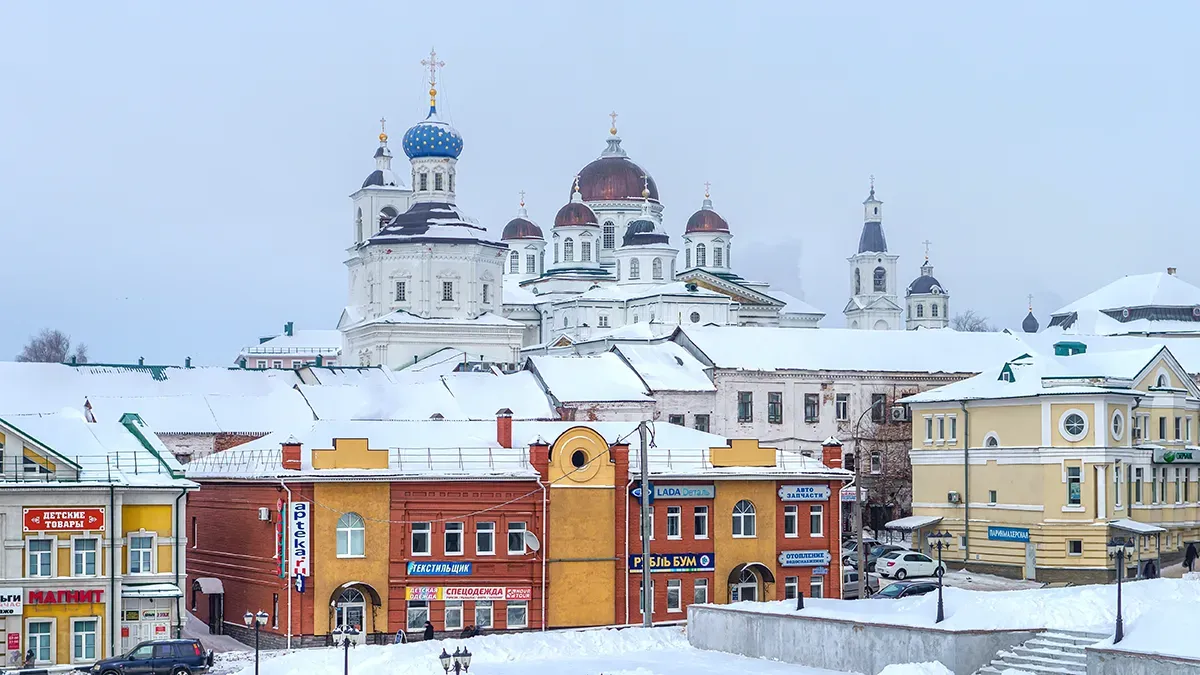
<point x="174" y="181"/>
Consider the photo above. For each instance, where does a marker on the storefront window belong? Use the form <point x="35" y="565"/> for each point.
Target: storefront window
<point x="418" y="614"/>
<point x="483" y="613"/>
<point x="518" y="614"/>
<point x="454" y="615"/>
<point x="816" y="587"/>
<point x="83" y="640"/>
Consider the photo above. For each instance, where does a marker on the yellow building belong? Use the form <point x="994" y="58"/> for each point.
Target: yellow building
<point x="96" y="507"/>
<point x="1035" y="465"/>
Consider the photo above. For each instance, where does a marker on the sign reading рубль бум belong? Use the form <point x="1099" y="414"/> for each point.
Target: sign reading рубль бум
<point x="675" y="562"/>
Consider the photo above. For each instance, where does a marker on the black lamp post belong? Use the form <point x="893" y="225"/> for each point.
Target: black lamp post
<point x="1121" y="556"/>
<point x="941" y="540"/>
<point x="344" y="638"/>
<point x="460" y="660"/>
<point x="256" y="621"/>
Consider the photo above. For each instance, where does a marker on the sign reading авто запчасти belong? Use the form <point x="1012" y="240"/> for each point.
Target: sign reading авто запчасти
<point x="998" y="533"/>
<point x="674" y="562"/>
<point x="804" y="493"/>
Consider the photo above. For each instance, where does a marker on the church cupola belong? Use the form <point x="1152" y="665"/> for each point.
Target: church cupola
<point x="526" y="243"/>
<point x="706" y="239"/>
<point x="872" y="240"/>
<point x="382" y="195"/>
<point x="874" y="298"/>
<point x="928" y="303"/>
<point x="645" y="255"/>
<point x="576" y="237"/>
<point x="433" y="147"/>
<point x="1030" y="324"/>
<point x="382" y="175"/>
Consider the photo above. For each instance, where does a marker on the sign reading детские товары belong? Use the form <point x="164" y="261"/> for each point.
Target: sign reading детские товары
<point x="998" y="533"/>
<point x="804" y="493"/>
<point x="815" y="558"/>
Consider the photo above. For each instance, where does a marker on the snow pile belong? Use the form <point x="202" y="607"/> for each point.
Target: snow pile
<point x="927" y="668"/>
<point x="1014" y="671"/>
<point x="1169" y="633"/>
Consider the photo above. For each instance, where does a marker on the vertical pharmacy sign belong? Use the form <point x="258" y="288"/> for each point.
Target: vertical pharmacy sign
<point x="298" y="524"/>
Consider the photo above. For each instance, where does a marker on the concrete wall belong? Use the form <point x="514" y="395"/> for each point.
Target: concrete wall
<point x="1114" y="662"/>
<point x="836" y="644"/>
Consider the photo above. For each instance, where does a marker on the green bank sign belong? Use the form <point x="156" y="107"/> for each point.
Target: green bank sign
<point x="1176" y="456"/>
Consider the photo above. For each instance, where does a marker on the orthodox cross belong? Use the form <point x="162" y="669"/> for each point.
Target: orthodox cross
<point x="613" y="115"/>
<point x="433" y="65"/>
<point x="1031" y="302"/>
<point x="927" y="243"/>
<point x="707" y="185"/>
<point x="522" y="199"/>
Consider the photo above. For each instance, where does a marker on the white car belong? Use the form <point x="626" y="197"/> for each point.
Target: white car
<point x="904" y="564"/>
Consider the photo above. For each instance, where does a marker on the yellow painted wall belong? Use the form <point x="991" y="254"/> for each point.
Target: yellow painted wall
<point x="1151" y="378"/>
<point x="148" y="517"/>
<point x="742" y="452"/>
<point x="1017" y="426"/>
<point x="731" y="551"/>
<point x="581" y="571"/>
<point x="372" y="501"/>
<point x="350" y="453"/>
<point x="38" y="459"/>
<point x="63" y="615"/>
<point x="1056" y="412"/>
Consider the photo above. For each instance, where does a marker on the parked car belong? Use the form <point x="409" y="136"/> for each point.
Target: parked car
<point x="850" y="546"/>
<point x="168" y="657"/>
<point x="903" y="564"/>
<point x="905" y="589"/>
<point x="873" y="554"/>
<point x="850" y="585"/>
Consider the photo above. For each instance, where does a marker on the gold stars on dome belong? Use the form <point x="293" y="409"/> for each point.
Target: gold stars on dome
<point x="433" y="64"/>
<point x="613" y="129"/>
<point x="383" y="130"/>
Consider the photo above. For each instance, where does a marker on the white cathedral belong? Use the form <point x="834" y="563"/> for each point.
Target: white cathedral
<point x="424" y="276"/>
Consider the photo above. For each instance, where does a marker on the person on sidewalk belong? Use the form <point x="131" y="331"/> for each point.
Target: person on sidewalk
<point x="428" y="630"/>
<point x="1189" y="558"/>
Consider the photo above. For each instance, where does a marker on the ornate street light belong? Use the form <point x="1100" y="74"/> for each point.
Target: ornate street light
<point x="940" y="541"/>
<point x="1119" y="554"/>
<point x="344" y="637"/>
<point x="256" y="621"/>
<point x="445" y="659"/>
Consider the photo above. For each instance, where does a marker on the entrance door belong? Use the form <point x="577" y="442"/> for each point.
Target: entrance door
<point x="350" y="611"/>
<point x="1030" y="560"/>
<point x="746" y="588"/>
<point x="216" y="614"/>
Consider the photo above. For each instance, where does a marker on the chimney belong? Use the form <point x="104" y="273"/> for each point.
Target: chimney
<point x="320" y="360"/>
<point x="187" y="362"/>
<point x="504" y="427"/>
<point x="141" y="360"/>
<point x="831" y="453"/>
<point x="1171" y="271"/>
<point x="539" y="457"/>
<point x="291" y="453"/>
<point x="287" y="329"/>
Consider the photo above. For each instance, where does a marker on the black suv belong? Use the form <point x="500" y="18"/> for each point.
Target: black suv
<point x="157" y="657"/>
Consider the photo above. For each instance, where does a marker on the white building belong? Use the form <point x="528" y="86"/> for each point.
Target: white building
<point x="293" y="349"/>
<point x="874" y="302"/>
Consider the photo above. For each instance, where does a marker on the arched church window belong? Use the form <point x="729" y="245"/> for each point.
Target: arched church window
<point x="387" y="213"/>
<point x="933" y="310"/>
<point x="687" y="258"/>
<point x="920" y="311"/>
<point x="635" y="269"/>
<point x="717" y="255"/>
<point x="556" y="253"/>
<point x="701" y="259"/>
<point x="565" y="321"/>
<point x="437" y="181"/>
<point x="514" y="263"/>
<point x="585" y="251"/>
<point x="568" y="250"/>
<point x="610" y="234"/>
<point x="857" y="281"/>
<point x="530" y="264"/>
<point x="656" y="268"/>
<point x="423" y="181"/>
<point x="880" y="280"/>
<point x="358" y="225"/>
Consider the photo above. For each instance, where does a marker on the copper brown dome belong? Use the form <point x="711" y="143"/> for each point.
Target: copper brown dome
<point x="706" y="220"/>
<point x="614" y="178"/>
<point x="575" y="214"/>
<point x="521" y="228"/>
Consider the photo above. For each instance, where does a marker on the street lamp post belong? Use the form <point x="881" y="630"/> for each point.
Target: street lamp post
<point x="460" y="660"/>
<point x="344" y="638"/>
<point x="1121" y="556"/>
<point x="940" y="540"/>
<point x="256" y="621"/>
<point x="862" y="557"/>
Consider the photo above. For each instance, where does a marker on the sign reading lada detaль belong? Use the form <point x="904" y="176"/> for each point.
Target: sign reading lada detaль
<point x="685" y="491"/>
<point x="63" y="520"/>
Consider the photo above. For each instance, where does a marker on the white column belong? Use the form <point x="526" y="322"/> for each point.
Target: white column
<point x="1101" y="493"/>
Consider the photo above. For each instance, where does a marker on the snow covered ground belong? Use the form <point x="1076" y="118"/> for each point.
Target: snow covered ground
<point x="632" y="651"/>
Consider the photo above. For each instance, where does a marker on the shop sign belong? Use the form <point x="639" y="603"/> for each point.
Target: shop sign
<point x="997" y="533"/>
<point x="848" y="494"/>
<point x="674" y="562"/>
<point x="64" y="520"/>
<point x="1176" y="456"/>
<point x="65" y="597"/>
<point x="298" y="537"/>
<point x="422" y="593"/>
<point x="160" y="631"/>
<point x="473" y="593"/>
<point x="804" y="493"/>
<point x="518" y="594"/>
<point x="300" y="583"/>
<point x="428" y="593"/>
<point x="10" y="601"/>
<point x="804" y="558"/>
<point x="820" y="571"/>
<point x="151" y="614"/>
<point x="14" y="642"/>
<point x="636" y="493"/>
<point x="685" y="491"/>
<point x="439" y="568"/>
<point x="131" y="615"/>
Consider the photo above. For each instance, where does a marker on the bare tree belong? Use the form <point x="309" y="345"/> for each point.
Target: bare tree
<point x="970" y="322"/>
<point x="52" y="346"/>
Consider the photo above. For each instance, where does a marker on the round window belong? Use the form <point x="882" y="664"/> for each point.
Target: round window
<point x="695" y="317"/>
<point x="579" y="459"/>
<point x="1074" y="425"/>
<point x="1118" y="425"/>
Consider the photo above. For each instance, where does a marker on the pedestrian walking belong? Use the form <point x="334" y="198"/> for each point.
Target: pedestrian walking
<point x="1189" y="558"/>
<point x="428" y="630"/>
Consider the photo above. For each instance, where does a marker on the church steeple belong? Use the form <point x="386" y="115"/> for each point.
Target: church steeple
<point x="872" y="240"/>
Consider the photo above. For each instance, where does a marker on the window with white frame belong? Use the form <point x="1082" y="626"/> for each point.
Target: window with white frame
<point x="516" y="538"/>
<point x="447" y="291"/>
<point x="744" y="519"/>
<point x="1178" y="487"/>
<point x="1178" y="428"/>
<point x="1073" y="425"/>
<point x="420" y="539"/>
<point x="141" y="553"/>
<point x="791" y="586"/>
<point x="700" y="522"/>
<point x="674" y="522"/>
<point x="277" y="364"/>
<point x="1154" y="485"/>
<point x="1074" y="547"/>
<point x="41" y="557"/>
<point x="700" y="591"/>
<point x="1074" y="487"/>
<point x="791" y="517"/>
<point x="1138" y="478"/>
<point x="1117" y="486"/>
<point x="674" y="595"/>
<point x="1187" y="479"/>
<point x="816" y="587"/>
<point x="84" y="635"/>
<point x="953" y="421"/>
<point x="454" y="538"/>
<point x="84" y="552"/>
<point x="841" y="407"/>
<point x="941" y="428"/>
<point x="39" y="639"/>
<point x="485" y="538"/>
<point x="351" y="536"/>
<point x="517" y="611"/>
<point x="876" y="462"/>
<point x="401" y="291"/>
<point x="816" y="520"/>
<point x="418" y="614"/>
<point x="568" y="250"/>
<point x="260" y="363"/>
<point x="514" y="263"/>
<point x="928" y="429"/>
<point x="454" y="615"/>
<point x="483" y="613"/>
<point x="1187" y="428"/>
<point x="530" y="263"/>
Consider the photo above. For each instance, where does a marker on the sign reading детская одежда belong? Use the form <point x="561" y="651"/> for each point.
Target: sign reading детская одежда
<point x="64" y="520"/>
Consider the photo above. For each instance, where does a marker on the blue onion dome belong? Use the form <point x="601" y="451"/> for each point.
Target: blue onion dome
<point x="432" y="137"/>
<point x="641" y="232"/>
<point x="1030" y="324"/>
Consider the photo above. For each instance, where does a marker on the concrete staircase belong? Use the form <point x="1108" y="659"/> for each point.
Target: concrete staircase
<point x="1056" y="652"/>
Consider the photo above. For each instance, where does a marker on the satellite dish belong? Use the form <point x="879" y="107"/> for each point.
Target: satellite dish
<point x="532" y="542"/>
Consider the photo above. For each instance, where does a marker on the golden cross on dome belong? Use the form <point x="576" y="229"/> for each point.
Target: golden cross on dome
<point x="613" y="129"/>
<point x="707" y="185"/>
<point x="577" y="182"/>
<point x="872" y="185"/>
<point x="522" y="199"/>
<point x="927" y="243"/>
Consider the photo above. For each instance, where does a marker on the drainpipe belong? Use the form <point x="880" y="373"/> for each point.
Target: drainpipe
<point x="545" y="546"/>
<point x="179" y="600"/>
<point x="288" y="514"/>
<point x="112" y="570"/>
<point x="966" y="482"/>
<point x="628" y="487"/>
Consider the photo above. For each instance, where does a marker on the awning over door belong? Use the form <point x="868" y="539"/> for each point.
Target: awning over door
<point x="912" y="523"/>
<point x="152" y="591"/>
<point x="209" y="585"/>
<point x="758" y="568"/>
<point x="360" y="586"/>
<point x="1136" y="527"/>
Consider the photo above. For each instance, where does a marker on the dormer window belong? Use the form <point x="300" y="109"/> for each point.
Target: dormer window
<point x="1006" y="373"/>
<point x="1163" y="381"/>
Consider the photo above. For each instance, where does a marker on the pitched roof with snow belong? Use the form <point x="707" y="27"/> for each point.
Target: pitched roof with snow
<point x="666" y="367"/>
<point x="453" y="395"/>
<point x="299" y="343"/>
<point x="792" y="304"/>
<point x="1138" y="303"/>
<point x="598" y="377"/>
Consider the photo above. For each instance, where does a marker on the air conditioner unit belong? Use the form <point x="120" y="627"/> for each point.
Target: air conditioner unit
<point x="953" y="497"/>
<point x="264" y="514"/>
<point x="900" y="413"/>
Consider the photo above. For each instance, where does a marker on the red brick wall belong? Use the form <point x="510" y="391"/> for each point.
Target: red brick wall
<point x="660" y="544"/>
<point x="830" y="541"/>
<point x="227" y="441"/>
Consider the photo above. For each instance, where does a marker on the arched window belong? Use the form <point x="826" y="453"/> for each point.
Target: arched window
<point x="701" y="259"/>
<point x="424" y="181"/>
<point x="451" y="181"/>
<point x="656" y="268"/>
<point x="568" y="250"/>
<point x="933" y="310"/>
<point x="610" y="234"/>
<point x="437" y="181"/>
<point x="991" y="441"/>
<point x="880" y="280"/>
<point x="350" y="609"/>
<point x="1163" y="381"/>
<point x="585" y="251"/>
<point x="351" y="536"/>
<point x="857" y="281"/>
<point x="565" y="322"/>
<point x="717" y="255"/>
<point x="746" y="588"/>
<point x="635" y="271"/>
<point x="514" y="263"/>
<point x="530" y="263"/>
<point x="921" y="310"/>
<point x="744" y="519"/>
<point x="387" y="213"/>
<point x="687" y="258"/>
<point x="358" y="225"/>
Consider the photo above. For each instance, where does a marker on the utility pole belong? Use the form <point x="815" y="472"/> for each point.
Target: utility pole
<point x="647" y="593"/>
<point x="858" y="496"/>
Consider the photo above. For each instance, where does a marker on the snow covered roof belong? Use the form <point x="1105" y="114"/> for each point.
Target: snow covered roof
<point x="912" y="523"/>
<point x="597" y="377"/>
<point x="763" y="348"/>
<point x="401" y="316"/>
<point x="1156" y="302"/>
<point x="666" y="367"/>
<point x="624" y="292"/>
<point x="515" y="295"/>
<point x="1185" y="349"/>
<point x="299" y="343"/>
<point x="1135" y="526"/>
<point x="348" y="374"/>
<point x="793" y="305"/>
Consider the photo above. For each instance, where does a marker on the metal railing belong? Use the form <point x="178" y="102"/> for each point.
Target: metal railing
<point x="111" y="468"/>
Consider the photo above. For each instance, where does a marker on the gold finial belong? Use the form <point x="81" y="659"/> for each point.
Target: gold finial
<point x="707" y="185"/>
<point x="872" y="186"/>
<point x="613" y="130"/>
<point x="577" y="182"/>
<point x="433" y="65"/>
<point x="927" y="243"/>
<point x="522" y="199"/>
<point x="645" y="186"/>
<point x="383" y="130"/>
